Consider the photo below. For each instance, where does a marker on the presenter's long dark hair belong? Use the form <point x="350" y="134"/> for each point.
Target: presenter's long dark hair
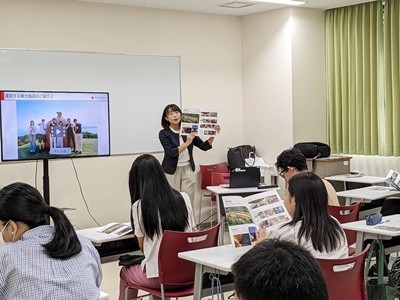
<point x="312" y="209"/>
<point x="20" y="202"/>
<point x="158" y="201"/>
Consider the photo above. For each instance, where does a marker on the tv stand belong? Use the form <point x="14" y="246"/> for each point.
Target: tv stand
<point x="46" y="182"/>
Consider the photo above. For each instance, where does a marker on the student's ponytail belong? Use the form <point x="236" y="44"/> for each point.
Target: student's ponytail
<point x="21" y="202"/>
<point x="65" y="242"/>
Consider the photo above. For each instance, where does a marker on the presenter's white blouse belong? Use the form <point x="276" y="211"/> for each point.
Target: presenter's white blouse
<point x="27" y="272"/>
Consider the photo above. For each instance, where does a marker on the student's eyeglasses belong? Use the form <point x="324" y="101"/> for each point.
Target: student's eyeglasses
<point x="282" y="174"/>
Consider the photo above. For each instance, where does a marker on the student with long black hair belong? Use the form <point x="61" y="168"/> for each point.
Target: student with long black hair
<point x="40" y="261"/>
<point x="311" y="226"/>
<point x="155" y="207"/>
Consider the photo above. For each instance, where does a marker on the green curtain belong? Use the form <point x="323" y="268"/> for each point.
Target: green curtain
<point x="392" y="77"/>
<point x="354" y="49"/>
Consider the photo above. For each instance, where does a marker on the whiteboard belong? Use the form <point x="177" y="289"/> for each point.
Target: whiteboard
<point x="139" y="87"/>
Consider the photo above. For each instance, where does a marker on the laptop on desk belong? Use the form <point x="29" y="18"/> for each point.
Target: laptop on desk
<point x="244" y="177"/>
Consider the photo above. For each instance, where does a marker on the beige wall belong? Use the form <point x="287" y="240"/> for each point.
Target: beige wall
<point x="258" y="108"/>
<point x="284" y="98"/>
<point x="283" y="67"/>
<point x="267" y="82"/>
<point x="309" y="88"/>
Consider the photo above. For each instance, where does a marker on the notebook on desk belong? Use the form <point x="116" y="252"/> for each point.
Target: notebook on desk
<point x="244" y="177"/>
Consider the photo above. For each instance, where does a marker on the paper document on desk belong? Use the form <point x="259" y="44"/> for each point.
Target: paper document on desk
<point x="116" y="228"/>
<point x="258" y="211"/>
<point x="393" y="179"/>
<point x="354" y="174"/>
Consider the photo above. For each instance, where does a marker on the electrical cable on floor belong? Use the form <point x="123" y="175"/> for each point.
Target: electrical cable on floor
<point x="83" y="197"/>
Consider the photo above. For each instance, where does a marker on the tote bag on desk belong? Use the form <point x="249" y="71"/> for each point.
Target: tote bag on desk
<point x="237" y="156"/>
<point x="376" y="288"/>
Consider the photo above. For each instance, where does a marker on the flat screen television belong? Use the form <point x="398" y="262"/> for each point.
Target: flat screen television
<point x="46" y="125"/>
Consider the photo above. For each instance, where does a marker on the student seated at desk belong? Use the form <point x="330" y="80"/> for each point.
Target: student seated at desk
<point x="278" y="270"/>
<point x="312" y="227"/>
<point x="40" y="261"/>
<point x="155" y="207"/>
<point x="291" y="162"/>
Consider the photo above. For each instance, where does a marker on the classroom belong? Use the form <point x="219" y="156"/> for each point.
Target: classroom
<point x="220" y="57"/>
<point x="265" y="74"/>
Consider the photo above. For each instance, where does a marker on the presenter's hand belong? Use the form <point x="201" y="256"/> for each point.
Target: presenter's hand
<point x="217" y="128"/>
<point x="189" y="138"/>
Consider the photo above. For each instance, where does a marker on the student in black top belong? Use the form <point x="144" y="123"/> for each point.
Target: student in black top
<point x="78" y="136"/>
<point x="178" y="163"/>
<point x="69" y="128"/>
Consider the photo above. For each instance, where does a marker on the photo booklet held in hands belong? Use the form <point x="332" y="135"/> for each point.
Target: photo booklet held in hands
<point x="199" y="122"/>
<point x="393" y="179"/>
<point x="116" y="228"/>
<point x="246" y="215"/>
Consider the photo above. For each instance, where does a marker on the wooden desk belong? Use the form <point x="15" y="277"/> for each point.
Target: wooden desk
<point x="368" y="194"/>
<point x="220" y="191"/>
<point x="110" y="246"/>
<point x="365" y="232"/>
<point x="218" y="258"/>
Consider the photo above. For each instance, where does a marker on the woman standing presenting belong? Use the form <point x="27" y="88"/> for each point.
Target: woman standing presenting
<point x="178" y="163"/>
<point x="155" y="207"/>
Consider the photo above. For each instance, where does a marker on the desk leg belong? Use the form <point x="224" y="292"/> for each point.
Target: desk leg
<point x="348" y="201"/>
<point x="359" y="242"/>
<point x="221" y="228"/>
<point x="198" y="282"/>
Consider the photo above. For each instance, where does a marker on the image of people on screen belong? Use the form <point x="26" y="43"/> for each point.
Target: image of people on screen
<point x="41" y="136"/>
<point x="40" y="125"/>
<point x="32" y="136"/>
<point x="78" y="136"/>
<point x="62" y="135"/>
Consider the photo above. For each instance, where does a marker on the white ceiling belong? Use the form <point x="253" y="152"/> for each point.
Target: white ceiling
<point x="214" y="6"/>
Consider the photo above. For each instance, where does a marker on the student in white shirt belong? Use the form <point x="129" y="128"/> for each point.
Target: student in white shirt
<point x="42" y="135"/>
<point x="312" y="227"/>
<point x="155" y="207"/>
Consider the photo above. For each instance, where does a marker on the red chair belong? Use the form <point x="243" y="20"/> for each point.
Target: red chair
<point x="173" y="270"/>
<point x="205" y="173"/>
<point x="345" y="276"/>
<point x="218" y="178"/>
<point x="345" y="214"/>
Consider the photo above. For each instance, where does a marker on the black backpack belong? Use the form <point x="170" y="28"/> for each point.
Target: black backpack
<point x="314" y="149"/>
